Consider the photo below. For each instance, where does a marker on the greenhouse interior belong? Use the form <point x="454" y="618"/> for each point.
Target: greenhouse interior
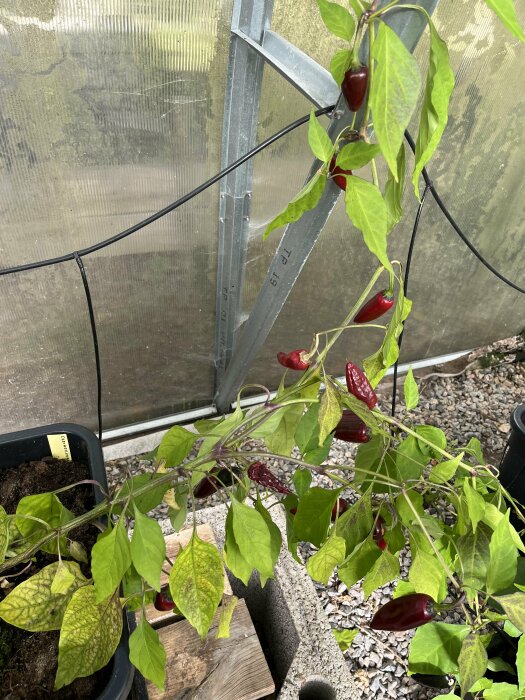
<point x="263" y="352"/>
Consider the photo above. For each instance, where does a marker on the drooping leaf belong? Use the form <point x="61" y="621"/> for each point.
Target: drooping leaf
<point x="473" y="556"/>
<point x="444" y="471"/>
<point x="384" y="570"/>
<point x="514" y="606"/>
<point x="197" y="583"/>
<point x="281" y="441"/>
<point x="345" y="637"/>
<point x="339" y="64"/>
<point x="506" y="11"/>
<point x="134" y="590"/>
<point x="472" y="662"/>
<point x="394" y="192"/>
<point x="147" y="653"/>
<point x="275" y="537"/>
<point x="177" y="515"/>
<point x="359" y="563"/>
<point x="110" y="559"/>
<point x="410" y="390"/>
<point x="475" y="504"/>
<point x="433" y="435"/>
<point x="302" y="479"/>
<point x="63" y="580"/>
<point x="426" y="575"/>
<point x="148" y="549"/>
<point x="435" y="648"/>
<point x="312" y="520"/>
<point x="253" y="538"/>
<point x="176" y="445"/>
<point x="307" y="437"/>
<point x="305" y="200"/>
<point x="330" y="411"/>
<point x="318" y="139"/>
<point x="148" y="501"/>
<point x="33" y="607"/>
<point x="233" y="558"/>
<point x="321" y="565"/>
<point x="228" y="606"/>
<point x="434" y="111"/>
<point x="393" y="92"/>
<point x="355" y="524"/>
<point x="366" y="209"/>
<point x="337" y="19"/>
<point x="502" y="567"/>
<point x="90" y="633"/>
<point x="357" y="154"/>
<point x="410" y="461"/>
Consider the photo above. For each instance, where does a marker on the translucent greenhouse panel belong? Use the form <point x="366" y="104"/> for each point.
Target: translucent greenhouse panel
<point x="478" y="171"/>
<point x="110" y="111"/>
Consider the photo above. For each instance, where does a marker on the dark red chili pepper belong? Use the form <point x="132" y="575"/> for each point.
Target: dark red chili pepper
<point x="260" y="473"/>
<point x="379" y="528"/>
<point x="294" y="359"/>
<point x="352" y="429"/>
<point x="216" y="479"/>
<point x="359" y="386"/>
<point x="338" y="174"/>
<point x="404" y="613"/>
<point x="354" y="86"/>
<point x="163" y="600"/>
<point x="382" y="544"/>
<point x="376" y="307"/>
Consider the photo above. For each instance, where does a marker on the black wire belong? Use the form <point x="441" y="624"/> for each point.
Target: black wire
<point x="171" y="207"/>
<point x="85" y="282"/>
<point x="455" y="225"/>
<point x="407" y="274"/>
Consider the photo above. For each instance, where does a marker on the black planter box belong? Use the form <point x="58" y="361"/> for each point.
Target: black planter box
<point x="512" y="467"/>
<point x="32" y="445"/>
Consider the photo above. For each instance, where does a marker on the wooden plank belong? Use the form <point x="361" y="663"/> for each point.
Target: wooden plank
<point x="173" y="544"/>
<point x="216" y="669"/>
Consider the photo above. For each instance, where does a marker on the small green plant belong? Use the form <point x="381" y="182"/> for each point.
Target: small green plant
<point x="411" y="488"/>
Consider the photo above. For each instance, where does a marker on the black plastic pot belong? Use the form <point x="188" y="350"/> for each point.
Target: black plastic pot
<point x="512" y="467"/>
<point x="32" y="445"/>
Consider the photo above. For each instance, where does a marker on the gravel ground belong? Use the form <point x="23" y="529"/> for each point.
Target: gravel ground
<point x="477" y="402"/>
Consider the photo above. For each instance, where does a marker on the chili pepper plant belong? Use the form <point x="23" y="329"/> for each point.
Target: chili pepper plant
<point x="407" y="488"/>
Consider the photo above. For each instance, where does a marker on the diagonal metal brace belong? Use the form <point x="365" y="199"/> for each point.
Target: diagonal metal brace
<point x="300" y="237"/>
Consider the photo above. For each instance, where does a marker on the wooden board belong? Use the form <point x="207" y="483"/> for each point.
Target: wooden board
<point x="173" y="544"/>
<point x="216" y="669"/>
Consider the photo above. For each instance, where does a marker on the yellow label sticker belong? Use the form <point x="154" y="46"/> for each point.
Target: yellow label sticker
<point x="59" y="446"/>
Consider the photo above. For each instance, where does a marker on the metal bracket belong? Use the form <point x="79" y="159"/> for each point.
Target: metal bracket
<point x="300" y="237"/>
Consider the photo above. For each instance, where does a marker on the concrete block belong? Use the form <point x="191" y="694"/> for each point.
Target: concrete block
<point x="291" y="624"/>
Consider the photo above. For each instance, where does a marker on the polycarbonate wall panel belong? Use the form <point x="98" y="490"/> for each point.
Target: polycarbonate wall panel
<point x="110" y="110"/>
<point x="478" y="171"/>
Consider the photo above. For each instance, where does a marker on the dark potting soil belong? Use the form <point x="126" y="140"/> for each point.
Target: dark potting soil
<point x="29" y="660"/>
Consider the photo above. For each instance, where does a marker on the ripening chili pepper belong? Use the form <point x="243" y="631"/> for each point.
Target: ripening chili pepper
<point x="382" y="544"/>
<point x="354" y="86"/>
<point x="338" y="174"/>
<point x="379" y="528"/>
<point x="433" y="681"/>
<point x="405" y="613"/>
<point x="352" y="429"/>
<point x="376" y="307"/>
<point x="294" y="359"/>
<point x="216" y="479"/>
<point x="359" y="386"/>
<point x="260" y="473"/>
<point x="163" y="600"/>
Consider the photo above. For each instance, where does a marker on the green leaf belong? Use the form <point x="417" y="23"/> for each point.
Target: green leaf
<point x="178" y="515"/>
<point x="339" y="64"/>
<point x="318" y="139"/>
<point x="492" y="517"/>
<point x="403" y="509"/>
<point x="497" y="665"/>
<point x="434" y="111"/>
<point x="89" y="635"/>
<point x="384" y="570"/>
<point x="275" y="537"/>
<point x="502" y="691"/>
<point x="435" y="648"/>
<point x="282" y="439"/>
<point x="444" y="471"/>
<point x="229" y="603"/>
<point x="355" y="523"/>
<point x="359" y="563"/>
<point x="475" y="504"/>
<point x="321" y="565"/>
<point x="312" y="520"/>
<point x="4" y="534"/>
<point x="472" y="662"/>
<point x="330" y="410"/>
<point x="473" y="556"/>
<point x="338" y="21"/>
<point x="254" y="539"/>
<point x="520" y="665"/>
<point x="176" y="445"/>
<point x="132" y="588"/>
<point x="474" y="448"/>
<point x="506" y="11"/>
<point x="366" y="209"/>
<point x="302" y="478"/>
<point x="357" y="154"/>
<point x="110" y="559"/>
<point x="410" y="390"/>
<point x="344" y="638"/>
<point x="307" y="437"/>
<point x="511" y="629"/>
<point x="403" y="588"/>
<point x="393" y="92"/>
<point x="147" y="653"/>
<point x="514" y="606"/>
<point x="394" y="192"/>
<point x="148" y="549"/>
<point x="410" y="461"/>
<point x="63" y="580"/>
<point x="46" y="507"/>
<point x="33" y="607"/>
<point x="427" y="576"/>
<point x="369" y="453"/>
<point x="197" y="583"/>
<point x="433" y="435"/>
<point x="233" y="558"/>
<point x="77" y="551"/>
<point x="305" y="200"/>
<point x="502" y="567"/>
<point x="147" y="501"/>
